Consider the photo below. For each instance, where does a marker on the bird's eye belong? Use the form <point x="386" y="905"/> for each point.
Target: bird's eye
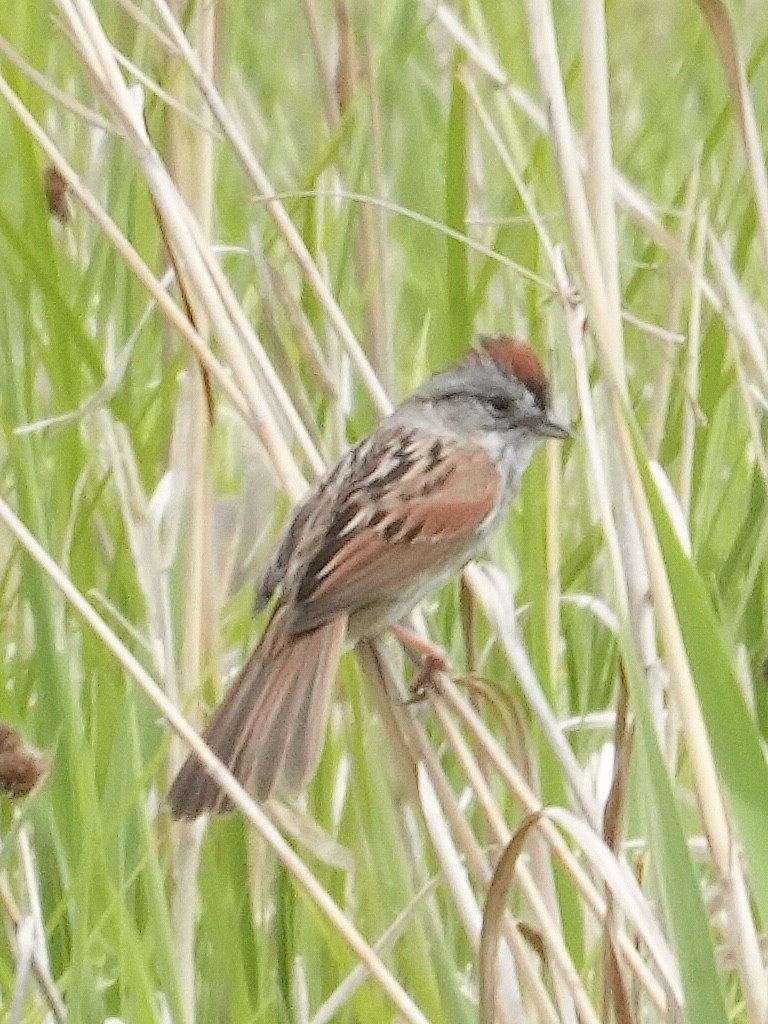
<point x="499" y="404"/>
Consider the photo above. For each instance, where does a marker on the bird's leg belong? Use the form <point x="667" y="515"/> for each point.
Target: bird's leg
<point x="432" y="660"/>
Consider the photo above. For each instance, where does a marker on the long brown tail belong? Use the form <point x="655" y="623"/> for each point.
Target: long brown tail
<point x="271" y="724"/>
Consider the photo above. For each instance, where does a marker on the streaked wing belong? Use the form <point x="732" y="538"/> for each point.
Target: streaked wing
<point x="413" y="505"/>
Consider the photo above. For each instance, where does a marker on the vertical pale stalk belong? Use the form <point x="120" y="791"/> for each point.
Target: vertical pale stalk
<point x="382" y="339"/>
<point x="190" y="163"/>
<point x="354" y="78"/>
<point x="599" y="176"/>
<point x="277" y="211"/>
<point x="663" y="386"/>
<point x="690" y="419"/>
<point x="554" y="589"/>
<point x="319" y="46"/>
<point x="602" y="312"/>
<point x="574" y="322"/>
<point x="723" y="849"/>
<point x="599" y="173"/>
<point x="509" y="1006"/>
<point x="644" y="574"/>
<point x="232" y="329"/>
<point x="722" y="28"/>
<point x="748" y="341"/>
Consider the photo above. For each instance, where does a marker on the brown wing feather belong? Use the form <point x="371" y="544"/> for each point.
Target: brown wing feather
<point x="428" y="522"/>
<point x="399" y="506"/>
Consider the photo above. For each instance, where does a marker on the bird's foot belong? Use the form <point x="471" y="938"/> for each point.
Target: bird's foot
<point x="433" y="662"/>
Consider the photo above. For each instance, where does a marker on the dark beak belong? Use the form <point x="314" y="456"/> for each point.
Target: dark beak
<point x="545" y="424"/>
<point x="550" y="426"/>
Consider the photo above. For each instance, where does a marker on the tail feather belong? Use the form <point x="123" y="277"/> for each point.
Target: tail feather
<point x="303" y="752"/>
<point x="270" y="727"/>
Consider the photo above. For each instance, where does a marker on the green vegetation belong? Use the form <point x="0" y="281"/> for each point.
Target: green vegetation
<point x="433" y="181"/>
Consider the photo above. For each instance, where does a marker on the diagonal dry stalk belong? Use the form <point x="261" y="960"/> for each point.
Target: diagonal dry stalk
<point x="254" y="814"/>
<point x="245" y="375"/>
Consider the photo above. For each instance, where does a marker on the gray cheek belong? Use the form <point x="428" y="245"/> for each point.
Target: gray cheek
<point x="516" y="455"/>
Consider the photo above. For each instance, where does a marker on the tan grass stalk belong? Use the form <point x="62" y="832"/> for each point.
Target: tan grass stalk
<point x="613" y="873"/>
<point x="191" y="161"/>
<point x="603" y="312"/>
<point x="536" y="882"/>
<point x="127" y="252"/>
<point x="724" y="33"/>
<point x="494" y="916"/>
<point x="23" y="952"/>
<point x="690" y="419"/>
<point x="344" y="992"/>
<point x="663" y="387"/>
<point x="599" y="150"/>
<point x="627" y="195"/>
<point x="285" y="225"/>
<point x="495" y="599"/>
<point x="318" y="38"/>
<point x="40" y="967"/>
<point x="205" y="278"/>
<point x="257" y="817"/>
<point x="575" y="325"/>
<point x="741" y="926"/>
<point x="436" y="801"/>
<point x="47" y="87"/>
<point x="510" y="1005"/>
<point x="750" y="358"/>
<point x="739" y="313"/>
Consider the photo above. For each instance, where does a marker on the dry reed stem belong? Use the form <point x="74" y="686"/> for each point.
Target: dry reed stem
<point x="254" y="814"/>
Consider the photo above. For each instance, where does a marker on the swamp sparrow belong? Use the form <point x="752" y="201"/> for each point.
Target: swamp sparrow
<point x="398" y="515"/>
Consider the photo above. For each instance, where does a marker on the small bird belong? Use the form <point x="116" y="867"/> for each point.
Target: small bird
<point x="400" y="514"/>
